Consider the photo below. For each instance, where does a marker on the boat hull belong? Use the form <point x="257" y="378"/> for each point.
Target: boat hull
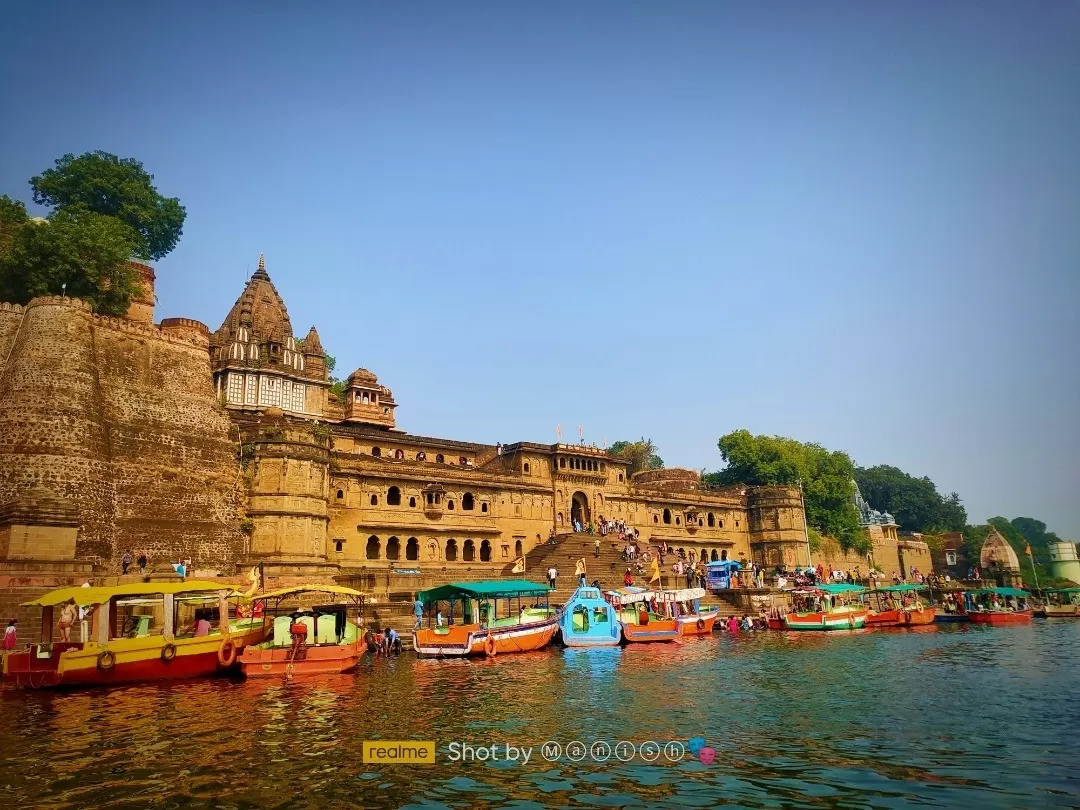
<point x="846" y="620"/>
<point x="1062" y="612"/>
<point x="465" y="640"/>
<point x="1001" y="617"/>
<point x="901" y="618"/>
<point x="655" y="630"/>
<point x="951" y="618"/>
<point x="590" y="641"/>
<point x="133" y="660"/>
<point x="315" y="660"/>
<point x="699" y="625"/>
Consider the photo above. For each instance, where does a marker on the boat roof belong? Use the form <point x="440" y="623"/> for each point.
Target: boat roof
<point x="907" y="586"/>
<point x="631" y="593"/>
<point x="683" y="594"/>
<point x="586" y="593"/>
<point x="339" y="590"/>
<point x="1000" y="592"/>
<point x="484" y="588"/>
<point x="103" y="593"/>
<point x="1061" y="590"/>
<point x="724" y="564"/>
<point x="840" y="587"/>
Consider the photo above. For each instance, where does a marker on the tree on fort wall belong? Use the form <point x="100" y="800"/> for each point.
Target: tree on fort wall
<point x="640" y="455"/>
<point x="825" y="476"/>
<point x="106" y="210"/>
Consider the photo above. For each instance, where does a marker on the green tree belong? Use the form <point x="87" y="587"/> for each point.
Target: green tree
<point x="81" y="253"/>
<point x="914" y="502"/>
<point x="641" y="455"/>
<point x="114" y="187"/>
<point x="825" y="476"/>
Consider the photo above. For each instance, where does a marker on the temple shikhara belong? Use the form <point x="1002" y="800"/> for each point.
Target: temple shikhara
<point x="230" y="448"/>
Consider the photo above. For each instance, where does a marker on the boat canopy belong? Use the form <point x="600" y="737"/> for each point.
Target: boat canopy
<point x="682" y="595"/>
<point x="487" y="589"/>
<point x="909" y="586"/>
<point x="84" y="596"/>
<point x="629" y="595"/>
<point x="1061" y="590"/>
<point x="724" y="565"/>
<point x="339" y="590"/>
<point x="840" y="588"/>
<point x="1000" y="592"/>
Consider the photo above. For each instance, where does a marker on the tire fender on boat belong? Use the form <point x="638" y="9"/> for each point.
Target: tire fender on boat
<point x="168" y="653"/>
<point x="106" y="661"/>
<point x="490" y="647"/>
<point x="226" y="653"/>
<point x="700" y="624"/>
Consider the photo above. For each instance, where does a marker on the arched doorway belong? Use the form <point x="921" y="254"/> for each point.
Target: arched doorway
<point x="579" y="509"/>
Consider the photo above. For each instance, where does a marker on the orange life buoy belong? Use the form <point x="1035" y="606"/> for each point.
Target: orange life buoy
<point x="106" y="661"/>
<point x="226" y="653"/>
<point x="490" y="647"/>
<point x="700" y="624"/>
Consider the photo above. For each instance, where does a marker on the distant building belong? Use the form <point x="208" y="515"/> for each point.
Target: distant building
<point x="1063" y="561"/>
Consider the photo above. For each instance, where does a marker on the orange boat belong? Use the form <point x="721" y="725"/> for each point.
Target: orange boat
<point x="307" y="640"/>
<point x="640" y="621"/>
<point x="683" y="605"/>
<point x="899" y="606"/>
<point x="999" y="606"/>
<point x="143" y="631"/>
<point x="522" y="628"/>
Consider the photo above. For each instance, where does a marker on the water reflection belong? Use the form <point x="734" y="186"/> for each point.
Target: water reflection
<point x="945" y="716"/>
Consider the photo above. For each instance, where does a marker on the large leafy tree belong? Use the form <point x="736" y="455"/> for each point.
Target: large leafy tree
<point x="825" y="477"/>
<point x="914" y="502"/>
<point x="83" y="254"/>
<point x="114" y="187"/>
<point x="641" y="454"/>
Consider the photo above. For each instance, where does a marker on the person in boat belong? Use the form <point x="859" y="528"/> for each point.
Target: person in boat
<point x="199" y="628"/>
<point x="68" y="614"/>
<point x="11" y="635"/>
<point x="440" y="621"/>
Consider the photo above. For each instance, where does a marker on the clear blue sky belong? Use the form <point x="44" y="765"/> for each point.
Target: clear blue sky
<point x="851" y="223"/>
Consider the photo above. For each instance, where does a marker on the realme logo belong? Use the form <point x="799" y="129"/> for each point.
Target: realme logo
<point x="412" y="752"/>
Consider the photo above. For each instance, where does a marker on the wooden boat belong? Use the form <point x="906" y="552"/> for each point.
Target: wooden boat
<point x="998" y="606"/>
<point x="641" y="622"/>
<point x="318" y="639"/>
<point x="1062" y="603"/>
<point x="899" y="606"/>
<point x="683" y="605"/>
<point x="589" y="621"/>
<point x="149" y="631"/>
<point x="951" y="609"/>
<point x="522" y="628"/>
<point x="828" y="607"/>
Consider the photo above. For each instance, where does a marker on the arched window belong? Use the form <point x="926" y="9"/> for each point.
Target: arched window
<point x="562" y="463"/>
<point x="736" y="524"/>
<point x="339" y="546"/>
<point x="483" y="507"/>
<point x="374" y="500"/>
<point x="704" y="555"/>
<point x="399" y="454"/>
<point x="712" y="519"/>
<point x="525" y="467"/>
<point x="667" y="516"/>
<point x="393" y="549"/>
<point x="468" y="551"/>
<point x="439" y="459"/>
<point x="655" y="519"/>
<point x="371" y="551"/>
<point x="700" y="522"/>
<point x="393" y="497"/>
<point x="517" y="548"/>
<point x="450" y="504"/>
<point x="412" y="549"/>
<point x="485" y="551"/>
<point x="720" y="524"/>
<point x="375" y="451"/>
<point x="421" y="456"/>
<point x="467" y="502"/>
<point x="620" y="478"/>
<point x="340" y="494"/>
<point x="451" y="550"/>
<point x="412" y="502"/>
<point x="723" y="554"/>
<point x="713" y="555"/>
<point x="676" y="521"/>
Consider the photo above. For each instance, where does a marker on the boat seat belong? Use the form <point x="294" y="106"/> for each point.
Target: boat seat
<point x="351" y="633"/>
<point x="326" y="630"/>
<point x="281" y="631"/>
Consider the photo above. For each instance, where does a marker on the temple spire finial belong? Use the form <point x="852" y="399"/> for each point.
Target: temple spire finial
<point x="261" y="272"/>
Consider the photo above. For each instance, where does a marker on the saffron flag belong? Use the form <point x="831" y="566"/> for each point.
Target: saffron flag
<point x="519" y="566"/>
<point x="1027" y="549"/>
<point x="655" y="570"/>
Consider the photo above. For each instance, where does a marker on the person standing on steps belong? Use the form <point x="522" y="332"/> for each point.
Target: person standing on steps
<point x="579" y="569"/>
<point x="552" y="574"/>
<point x="125" y="563"/>
<point x="142" y="560"/>
<point x="596" y="546"/>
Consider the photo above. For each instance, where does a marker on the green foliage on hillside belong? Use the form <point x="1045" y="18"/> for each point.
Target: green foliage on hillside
<point x="915" y="503"/>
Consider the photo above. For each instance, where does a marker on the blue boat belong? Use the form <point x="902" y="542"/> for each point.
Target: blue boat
<point x="589" y="621"/>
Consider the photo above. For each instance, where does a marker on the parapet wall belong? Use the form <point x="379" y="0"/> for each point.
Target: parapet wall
<point x="120" y="420"/>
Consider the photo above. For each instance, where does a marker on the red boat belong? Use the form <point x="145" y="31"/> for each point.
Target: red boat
<point x="899" y="606"/>
<point x="999" y="606"/>
<point x="639" y="622"/>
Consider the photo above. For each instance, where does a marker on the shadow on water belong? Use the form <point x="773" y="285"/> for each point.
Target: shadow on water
<point x="943" y="716"/>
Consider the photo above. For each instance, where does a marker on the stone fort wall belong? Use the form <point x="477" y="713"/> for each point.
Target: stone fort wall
<point x="119" y="420"/>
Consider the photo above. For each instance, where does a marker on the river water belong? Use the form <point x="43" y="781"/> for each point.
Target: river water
<point x="942" y="716"/>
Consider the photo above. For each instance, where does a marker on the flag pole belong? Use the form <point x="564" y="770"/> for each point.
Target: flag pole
<point x="1034" y="573"/>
